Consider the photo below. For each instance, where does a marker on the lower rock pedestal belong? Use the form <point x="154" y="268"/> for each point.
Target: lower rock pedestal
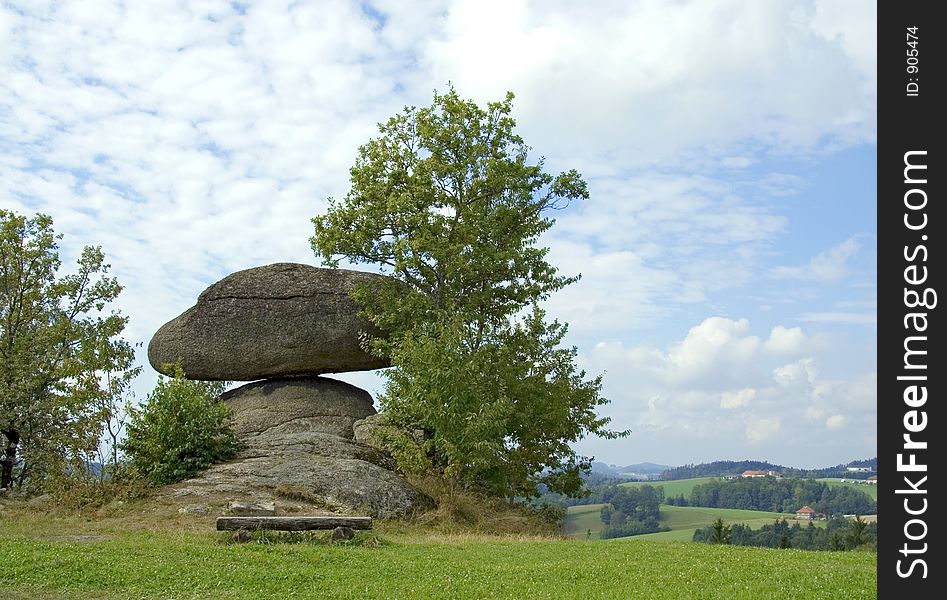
<point x="298" y="445"/>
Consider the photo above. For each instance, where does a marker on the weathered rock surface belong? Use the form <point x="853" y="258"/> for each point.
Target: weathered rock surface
<point x="275" y="408"/>
<point x="270" y="321"/>
<point x="252" y="509"/>
<point x="298" y="444"/>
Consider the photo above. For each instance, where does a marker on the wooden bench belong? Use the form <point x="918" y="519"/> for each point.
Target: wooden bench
<point x="291" y="523"/>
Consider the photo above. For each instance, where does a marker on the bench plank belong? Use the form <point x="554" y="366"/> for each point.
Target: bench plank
<point x="292" y="523"/>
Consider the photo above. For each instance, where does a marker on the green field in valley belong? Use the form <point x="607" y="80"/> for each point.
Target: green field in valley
<point x="871" y="490"/>
<point x="78" y="558"/>
<point x="673" y="487"/>
<point x="582" y="519"/>
<point x="682" y="520"/>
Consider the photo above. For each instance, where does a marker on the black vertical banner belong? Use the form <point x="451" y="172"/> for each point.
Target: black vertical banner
<point x="912" y="374"/>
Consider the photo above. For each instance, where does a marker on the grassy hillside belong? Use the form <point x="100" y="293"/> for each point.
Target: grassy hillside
<point x="673" y="488"/>
<point x="581" y="519"/>
<point x="871" y="490"/>
<point x="181" y="557"/>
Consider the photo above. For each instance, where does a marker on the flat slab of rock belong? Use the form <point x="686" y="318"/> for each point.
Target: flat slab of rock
<point x="276" y="320"/>
<point x="351" y="484"/>
<point x="252" y="509"/>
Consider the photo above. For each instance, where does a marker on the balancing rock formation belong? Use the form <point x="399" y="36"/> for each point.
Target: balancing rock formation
<point x="272" y="321"/>
<point x="287" y="324"/>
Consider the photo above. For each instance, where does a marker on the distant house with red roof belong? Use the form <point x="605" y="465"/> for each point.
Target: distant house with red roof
<point x="752" y="473"/>
<point x="806" y="512"/>
<point x="873" y="480"/>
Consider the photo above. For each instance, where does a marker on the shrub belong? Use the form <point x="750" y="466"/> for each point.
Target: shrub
<point x="181" y="429"/>
<point x="90" y="493"/>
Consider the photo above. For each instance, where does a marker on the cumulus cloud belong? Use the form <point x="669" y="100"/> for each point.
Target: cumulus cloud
<point x="785" y="341"/>
<point x="737" y="399"/>
<point x="714" y="344"/>
<point x="722" y="385"/>
<point x="835" y="422"/>
<point x="653" y="61"/>
<point x="802" y="372"/>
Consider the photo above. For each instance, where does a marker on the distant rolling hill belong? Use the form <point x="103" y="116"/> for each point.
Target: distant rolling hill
<point x="644" y="470"/>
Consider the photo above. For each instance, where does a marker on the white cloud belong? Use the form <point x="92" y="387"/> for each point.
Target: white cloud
<point x="653" y="62"/>
<point x="709" y="347"/>
<point x="802" y="372"/>
<point x="828" y="266"/>
<point x="835" y="422"/>
<point x="737" y="399"/>
<point x="785" y="341"/>
<point x="721" y="386"/>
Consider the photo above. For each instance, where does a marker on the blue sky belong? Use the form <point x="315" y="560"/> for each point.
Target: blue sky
<point x="727" y="251"/>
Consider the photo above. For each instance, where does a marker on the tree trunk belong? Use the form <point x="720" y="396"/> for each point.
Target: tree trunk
<point x="8" y="458"/>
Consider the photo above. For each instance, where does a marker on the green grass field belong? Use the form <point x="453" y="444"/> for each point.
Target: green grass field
<point x="871" y="490"/>
<point x="67" y="557"/>
<point x="674" y="487"/>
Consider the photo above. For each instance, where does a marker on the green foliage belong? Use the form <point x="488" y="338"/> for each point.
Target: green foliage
<point x="631" y="510"/>
<point x="84" y="492"/>
<point x="552" y="514"/>
<point x="719" y="532"/>
<point x="630" y="527"/>
<point x="446" y="201"/>
<point x="838" y="534"/>
<point x="781" y="495"/>
<point x="57" y="343"/>
<point x="181" y="429"/>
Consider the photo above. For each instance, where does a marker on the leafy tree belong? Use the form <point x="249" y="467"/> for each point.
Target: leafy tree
<point x="836" y="535"/>
<point x="632" y="527"/>
<point x="446" y="201"/>
<point x="114" y="406"/>
<point x="857" y="535"/>
<point x="720" y="533"/>
<point x="181" y="429"/>
<point x="56" y="341"/>
<point x="606" y="515"/>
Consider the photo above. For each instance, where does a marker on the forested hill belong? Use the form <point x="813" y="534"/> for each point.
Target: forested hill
<point x="721" y="468"/>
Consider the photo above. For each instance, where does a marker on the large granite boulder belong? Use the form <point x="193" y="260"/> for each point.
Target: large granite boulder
<point x="271" y="321"/>
<point x="297" y="439"/>
<point x="278" y="407"/>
